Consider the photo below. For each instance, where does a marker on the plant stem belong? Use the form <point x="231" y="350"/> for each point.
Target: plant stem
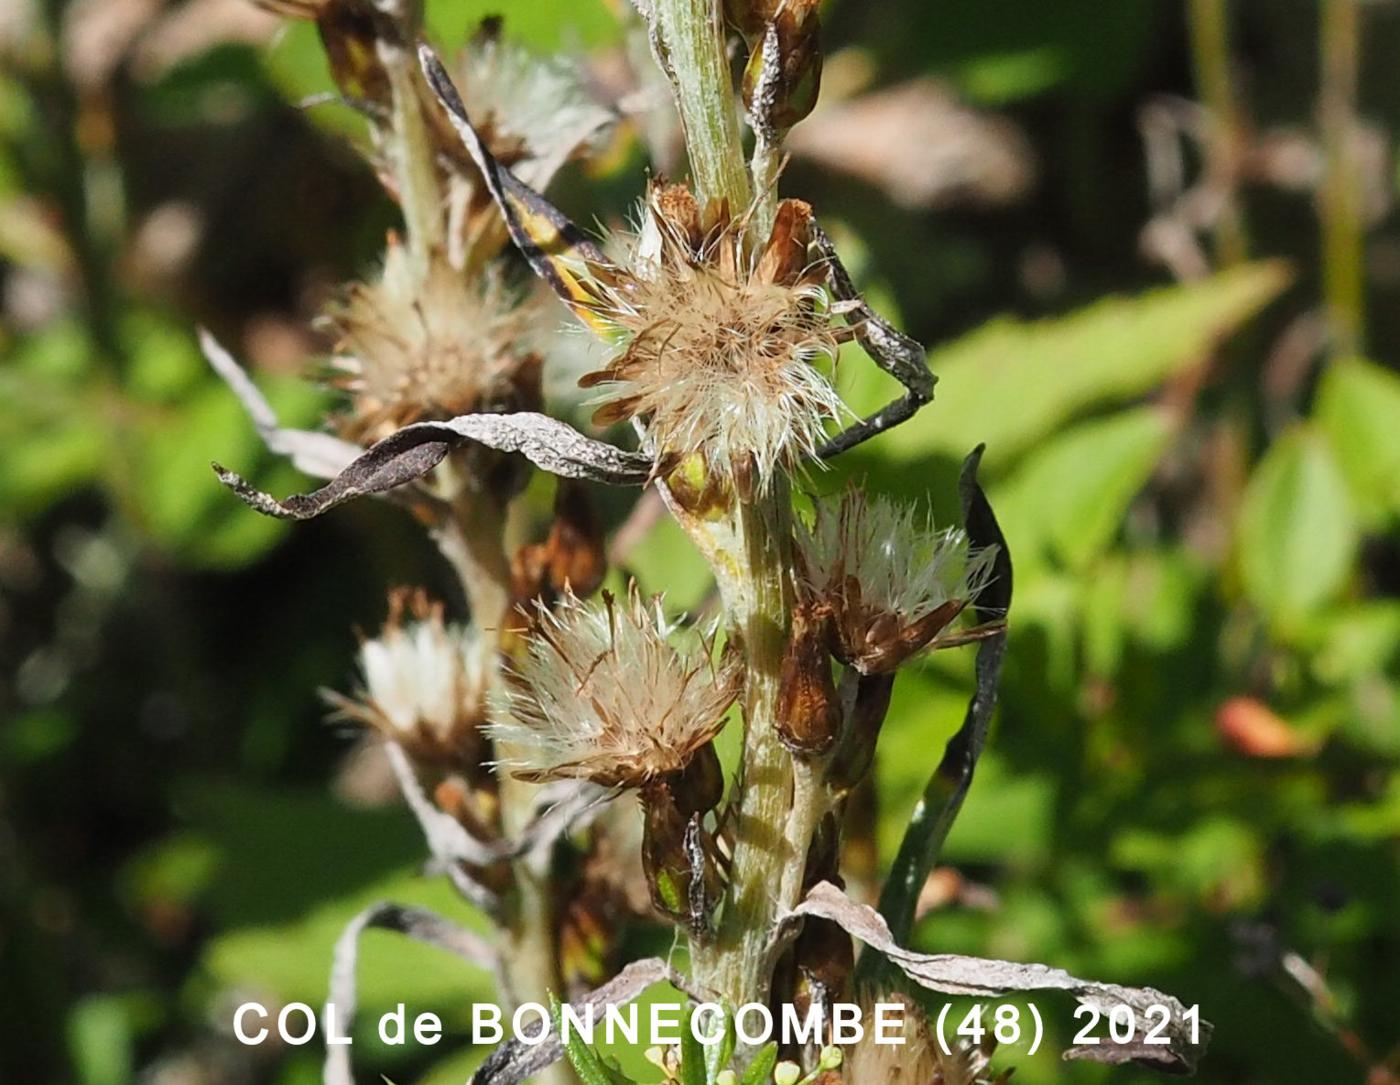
<point x="689" y="43"/>
<point x="767" y="161"/>
<point x="1210" y="53"/>
<point x="738" y="966"/>
<point x="750" y="551"/>
<point x="1343" y="247"/>
<point x="473" y="541"/>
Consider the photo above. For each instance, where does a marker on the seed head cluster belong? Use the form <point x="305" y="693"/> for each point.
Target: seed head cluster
<point x="602" y="694"/>
<point x="720" y="349"/>
<point x="889" y="577"/>
<point x="423" y="682"/>
<point x="411" y="348"/>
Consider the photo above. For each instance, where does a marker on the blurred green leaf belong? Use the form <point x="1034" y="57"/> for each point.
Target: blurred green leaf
<point x="667" y="561"/>
<point x="37" y="735"/>
<point x="174" y="871"/>
<point x="291" y="961"/>
<point x="184" y="507"/>
<point x="1217" y="857"/>
<point x="1070" y="495"/>
<point x="43" y="464"/>
<point x="1297" y="531"/>
<point x="545" y="28"/>
<point x="1358" y="639"/>
<point x="164" y="364"/>
<point x="100" y="1040"/>
<point x="1011" y="383"/>
<point x="1358" y="405"/>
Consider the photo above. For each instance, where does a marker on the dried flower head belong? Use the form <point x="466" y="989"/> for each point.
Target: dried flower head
<point x="414" y="347"/>
<point x="422" y="683"/>
<point x="916" y="1061"/>
<point x="717" y="347"/>
<point x="890" y="580"/>
<point x="534" y="112"/>
<point x="602" y="695"/>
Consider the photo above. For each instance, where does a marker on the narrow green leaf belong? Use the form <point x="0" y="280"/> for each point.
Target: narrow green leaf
<point x="693" y="1069"/>
<point x="583" y="1058"/>
<point x="760" y="1071"/>
<point x="717" y="1056"/>
<point x="1011" y="382"/>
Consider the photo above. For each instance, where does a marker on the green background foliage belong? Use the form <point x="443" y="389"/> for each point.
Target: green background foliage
<point x="1191" y="526"/>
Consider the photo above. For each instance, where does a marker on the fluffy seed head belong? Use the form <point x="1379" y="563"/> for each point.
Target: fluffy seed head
<point x="410" y="350"/>
<point x="422" y="683"/>
<point x="601" y="694"/>
<point x="889" y="577"/>
<point x="534" y="112"/>
<point x="719" y="349"/>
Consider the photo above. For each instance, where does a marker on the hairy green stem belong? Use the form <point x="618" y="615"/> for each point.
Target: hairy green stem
<point x="689" y="42"/>
<point x="1343" y="247"/>
<point x="750" y="551"/>
<point x="408" y="147"/>
<point x="739" y="964"/>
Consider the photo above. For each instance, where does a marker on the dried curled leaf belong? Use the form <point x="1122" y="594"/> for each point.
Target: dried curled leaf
<point x="320" y="455"/>
<point x="416" y="923"/>
<point x="948" y="786"/>
<point x="954" y="974"/>
<point x="514" y="1061"/>
<point x="413" y="451"/>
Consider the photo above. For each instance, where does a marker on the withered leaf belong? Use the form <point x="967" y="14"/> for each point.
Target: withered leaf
<point x="955" y="974"/>
<point x="413" y="451"/>
<point x="943" y="796"/>
<point x="514" y="1061"/>
<point x="320" y="455"/>
<point x="416" y="923"/>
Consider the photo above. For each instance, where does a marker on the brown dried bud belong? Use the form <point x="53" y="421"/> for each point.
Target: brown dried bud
<point x="574" y="551"/>
<point x="809" y="713"/>
<point x="749" y="17"/>
<point x="784" y="259"/>
<point x="678" y="208"/>
<point x="699" y="786"/>
<point x="677" y="855"/>
<point x="825" y="957"/>
<point x="698" y="490"/>
<point x="856" y="752"/>
<point x="784" y="73"/>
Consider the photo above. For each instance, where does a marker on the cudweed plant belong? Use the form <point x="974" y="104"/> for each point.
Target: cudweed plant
<point x="514" y="737"/>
